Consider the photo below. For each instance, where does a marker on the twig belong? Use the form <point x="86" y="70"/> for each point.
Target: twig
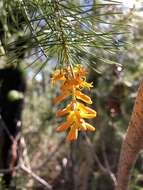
<point x="108" y="168"/>
<point x="104" y="169"/>
<point x="21" y="165"/>
<point x="36" y="177"/>
<point x="101" y="166"/>
<point x="8" y="170"/>
<point x="24" y="152"/>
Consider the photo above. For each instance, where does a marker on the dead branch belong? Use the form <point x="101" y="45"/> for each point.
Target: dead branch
<point x="36" y="177"/>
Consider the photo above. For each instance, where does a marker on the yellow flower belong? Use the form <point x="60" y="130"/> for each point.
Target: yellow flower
<point x="77" y="112"/>
<point x="72" y="81"/>
<point x="89" y="127"/>
<point x="58" y="75"/>
<point x="60" y="98"/>
<point x="65" y="110"/>
<point x="87" y="115"/>
<point x="73" y="134"/>
<point x="80" y="71"/>
<point x="85" y="84"/>
<point x="69" y="84"/>
<point x="75" y="123"/>
<point x="84" y="108"/>
<point x="66" y="124"/>
<point x="83" y="97"/>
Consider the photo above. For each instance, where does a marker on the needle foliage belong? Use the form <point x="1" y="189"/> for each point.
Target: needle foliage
<point x="66" y="30"/>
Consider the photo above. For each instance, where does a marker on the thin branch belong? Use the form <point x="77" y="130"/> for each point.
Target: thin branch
<point x="21" y="165"/>
<point x="111" y="174"/>
<point x="105" y="169"/>
<point x="36" y="177"/>
<point x="24" y="152"/>
<point x="100" y="165"/>
<point x="2" y="171"/>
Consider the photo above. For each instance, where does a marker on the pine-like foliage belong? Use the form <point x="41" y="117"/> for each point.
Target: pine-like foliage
<point x="66" y="30"/>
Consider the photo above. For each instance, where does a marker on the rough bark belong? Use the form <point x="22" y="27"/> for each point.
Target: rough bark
<point x="132" y="144"/>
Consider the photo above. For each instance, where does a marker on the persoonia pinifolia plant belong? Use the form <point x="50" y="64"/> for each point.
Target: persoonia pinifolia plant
<point x="73" y="81"/>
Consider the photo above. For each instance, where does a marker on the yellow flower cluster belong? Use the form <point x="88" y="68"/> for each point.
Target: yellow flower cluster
<point x="73" y="80"/>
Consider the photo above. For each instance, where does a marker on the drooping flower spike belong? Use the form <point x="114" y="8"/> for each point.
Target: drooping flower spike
<point x="73" y="80"/>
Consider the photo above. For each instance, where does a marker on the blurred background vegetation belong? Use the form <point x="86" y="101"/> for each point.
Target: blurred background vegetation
<point x="91" y="161"/>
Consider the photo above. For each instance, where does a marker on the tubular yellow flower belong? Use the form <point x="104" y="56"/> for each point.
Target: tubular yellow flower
<point x="60" y="98"/>
<point x="82" y="127"/>
<point x="89" y="127"/>
<point x="87" y="115"/>
<point x="73" y="134"/>
<point x="85" y="84"/>
<point x="80" y="71"/>
<point x="68" y="84"/>
<point x="65" y="110"/>
<point x="83" y="97"/>
<point x="65" y="125"/>
<point x="72" y="81"/>
<point x="85" y="109"/>
<point x="58" y="75"/>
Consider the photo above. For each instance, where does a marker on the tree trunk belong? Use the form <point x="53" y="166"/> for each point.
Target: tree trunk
<point x="12" y="80"/>
<point x="132" y="144"/>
